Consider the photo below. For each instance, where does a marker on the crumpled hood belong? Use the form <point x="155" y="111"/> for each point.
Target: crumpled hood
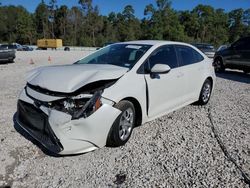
<point x="69" y="78"/>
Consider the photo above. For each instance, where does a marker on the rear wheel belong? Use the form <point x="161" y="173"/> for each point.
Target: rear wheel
<point x="122" y="128"/>
<point x="218" y="65"/>
<point x="205" y="93"/>
<point x="66" y="49"/>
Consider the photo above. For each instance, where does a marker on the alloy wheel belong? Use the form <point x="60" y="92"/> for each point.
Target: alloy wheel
<point x="206" y="92"/>
<point x="126" y="124"/>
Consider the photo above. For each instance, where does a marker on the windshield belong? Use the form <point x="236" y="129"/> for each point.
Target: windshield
<point x="123" y="55"/>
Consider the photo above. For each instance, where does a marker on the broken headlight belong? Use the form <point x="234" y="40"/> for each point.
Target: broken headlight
<point x="81" y="106"/>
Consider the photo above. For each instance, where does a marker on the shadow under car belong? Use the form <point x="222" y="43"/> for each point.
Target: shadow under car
<point x="235" y="76"/>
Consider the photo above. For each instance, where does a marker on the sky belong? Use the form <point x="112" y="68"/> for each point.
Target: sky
<point x="107" y="6"/>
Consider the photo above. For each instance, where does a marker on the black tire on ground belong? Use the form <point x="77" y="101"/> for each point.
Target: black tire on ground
<point x="114" y="138"/>
<point x="218" y="65"/>
<point x="66" y="49"/>
<point x="205" y="93"/>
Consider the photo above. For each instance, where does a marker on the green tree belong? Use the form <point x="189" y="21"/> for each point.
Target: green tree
<point x="205" y="19"/>
<point x="246" y="22"/>
<point x="109" y="28"/>
<point x="86" y="6"/>
<point x="74" y="19"/>
<point x="236" y="26"/>
<point x="246" y="17"/>
<point x="83" y="24"/>
<point x="162" y="22"/>
<point x="61" y="22"/>
<point x="128" y="26"/>
<point x="52" y="8"/>
<point x="95" y="25"/>
<point x="3" y="23"/>
<point x="219" y="30"/>
<point x="190" y="22"/>
<point x="25" y="27"/>
<point x="41" y="20"/>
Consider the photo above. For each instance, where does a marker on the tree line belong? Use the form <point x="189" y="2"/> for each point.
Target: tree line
<point x="83" y="25"/>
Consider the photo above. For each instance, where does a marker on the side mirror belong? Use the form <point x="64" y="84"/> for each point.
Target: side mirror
<point x="160" y="69"/>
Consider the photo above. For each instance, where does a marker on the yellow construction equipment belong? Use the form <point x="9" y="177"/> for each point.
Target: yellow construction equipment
<point x="49" y="43"/>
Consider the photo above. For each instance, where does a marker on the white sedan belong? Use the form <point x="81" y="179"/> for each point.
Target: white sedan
<point x="98" y="100"/>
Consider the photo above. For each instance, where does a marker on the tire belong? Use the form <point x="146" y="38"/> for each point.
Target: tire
<point x="205" y="93"/>
<point x="66" y="49"/>
<point x="119" y="133"/>
<point x="218" y="65"/>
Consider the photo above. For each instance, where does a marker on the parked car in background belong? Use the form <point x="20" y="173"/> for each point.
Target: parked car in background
<point x="236" y="56"/>
<point x="15" y="46"/>
<point x="6" y="54"/>
<point x="100" y="99"/>
<point x="27" y="48"/>
<point x="207" y="49"/>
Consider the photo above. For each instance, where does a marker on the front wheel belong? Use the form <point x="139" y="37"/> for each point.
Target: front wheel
<point x="122" y="127"/>
<point x="205" y="93"/>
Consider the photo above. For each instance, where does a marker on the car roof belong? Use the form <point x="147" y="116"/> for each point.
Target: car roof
<point x="152" y="42"/>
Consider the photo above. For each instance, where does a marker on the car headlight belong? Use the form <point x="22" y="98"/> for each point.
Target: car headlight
<point x="90" y="107"/>
<point x="81" y="106"/>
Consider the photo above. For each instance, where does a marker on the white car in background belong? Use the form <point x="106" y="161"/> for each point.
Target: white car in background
<point x="98" y="100"/>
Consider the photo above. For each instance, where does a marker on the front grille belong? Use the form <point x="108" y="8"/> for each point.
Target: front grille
<point x="36" y="123"/>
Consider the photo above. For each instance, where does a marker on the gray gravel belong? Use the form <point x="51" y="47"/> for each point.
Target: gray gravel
<point x="192" y="147"/>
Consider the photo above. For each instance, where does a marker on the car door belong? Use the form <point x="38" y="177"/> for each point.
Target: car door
<point x="165" y="91"/>
<point x="244" y="60"/>
<point x="238" y="54"/>
<point x="192" y="67"/>
<point x="3" y="52"/>
<point x="247" y="54"/>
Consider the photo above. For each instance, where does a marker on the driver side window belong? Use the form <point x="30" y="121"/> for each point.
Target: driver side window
<point x="164" y="55"/>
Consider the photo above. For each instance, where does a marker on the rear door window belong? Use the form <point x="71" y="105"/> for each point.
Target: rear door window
<point x="188" y="55"/>
<point x="197" y="56"/>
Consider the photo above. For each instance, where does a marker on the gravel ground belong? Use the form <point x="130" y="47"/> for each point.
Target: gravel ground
<point x="192" y="147"/>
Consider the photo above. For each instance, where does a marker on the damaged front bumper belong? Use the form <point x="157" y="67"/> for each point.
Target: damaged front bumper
<point x="61" y="134"/>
